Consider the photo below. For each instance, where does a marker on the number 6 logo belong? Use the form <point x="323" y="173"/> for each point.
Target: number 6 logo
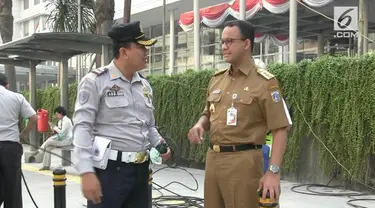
<point x="344" y="16"/>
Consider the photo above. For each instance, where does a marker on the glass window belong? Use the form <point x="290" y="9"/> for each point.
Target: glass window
<point x="25" y="4"/>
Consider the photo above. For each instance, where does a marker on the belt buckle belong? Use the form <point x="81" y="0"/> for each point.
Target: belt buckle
<point x="216" y="148"/>
<point x="141" y="157"/>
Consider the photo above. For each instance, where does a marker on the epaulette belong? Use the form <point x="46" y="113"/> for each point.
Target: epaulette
<point x="99" y="71"/>
<point x="220" y="72"/>
<point x="141" y="75"/>
<point x="266" y="74"/>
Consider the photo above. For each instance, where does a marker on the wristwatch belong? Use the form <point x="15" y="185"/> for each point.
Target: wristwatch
<point x="274" y="169"/>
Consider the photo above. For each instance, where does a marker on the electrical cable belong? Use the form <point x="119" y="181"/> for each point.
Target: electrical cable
<point x="309" y="187"/>
<point x="164" y="201"/>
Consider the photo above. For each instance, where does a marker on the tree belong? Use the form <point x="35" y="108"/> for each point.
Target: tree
<point x="6" y="31"/>
<point x="64" y="15"/>
<point x="104" y="14"/>
<point x="127" y="10"/>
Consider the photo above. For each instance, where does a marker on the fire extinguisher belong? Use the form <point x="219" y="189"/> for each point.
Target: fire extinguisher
<point x="43" y="120"/>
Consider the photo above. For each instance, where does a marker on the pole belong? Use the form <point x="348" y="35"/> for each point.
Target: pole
<point x="150" y="188"/>
<point x="365" y="27"/>
<point x="292" y="31"/>
<point x="127" y="10"/>
<point x="197" y="55"/>
<point x="79" y="31"/>
<point x="59" y="184"/>
<point x="243" y="9"/>
<point x="360" y="27"/>
<point x="163" y="24"/>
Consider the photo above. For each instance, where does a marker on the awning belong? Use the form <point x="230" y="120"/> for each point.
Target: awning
<point x="215" y="16"/>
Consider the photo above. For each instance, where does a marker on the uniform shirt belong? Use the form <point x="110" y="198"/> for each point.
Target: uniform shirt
<point x="64" y="129"/>
<point x="12" y="106"/>
<point x="110" y="106"/>
<point x="258" y="101"/>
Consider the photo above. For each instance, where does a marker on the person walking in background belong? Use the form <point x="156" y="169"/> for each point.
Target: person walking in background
<point x="12" y="107"/>
<point x="63" y="136"/>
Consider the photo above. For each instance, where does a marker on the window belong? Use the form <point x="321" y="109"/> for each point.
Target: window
<point x="25" y="4"/>
<point x="25" y="28"/>
<point x="36" y="2"/>
<point x="37" y="24"/>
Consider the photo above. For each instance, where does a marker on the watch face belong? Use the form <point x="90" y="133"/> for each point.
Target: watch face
<point x="274" y="168"/>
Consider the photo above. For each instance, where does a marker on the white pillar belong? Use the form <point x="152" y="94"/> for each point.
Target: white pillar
<point x="79" y="70"/>
<point x="243" y="9"/>
<point x="292" y="31"/>
<point x="197" y="55"/>
<point x="172" y="44"/>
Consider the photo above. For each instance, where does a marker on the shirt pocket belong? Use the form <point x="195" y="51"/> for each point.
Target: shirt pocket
<point x="214" y="106"/>
<point x="116" y="102"/>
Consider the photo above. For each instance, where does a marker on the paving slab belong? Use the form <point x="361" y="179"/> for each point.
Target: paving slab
<point x="41" y="187"/>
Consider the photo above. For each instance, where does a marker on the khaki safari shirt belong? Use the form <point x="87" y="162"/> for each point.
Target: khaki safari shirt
<point x="255" y="94"/>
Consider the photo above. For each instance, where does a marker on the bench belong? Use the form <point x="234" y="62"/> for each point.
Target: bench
<point x="66" y="155"/>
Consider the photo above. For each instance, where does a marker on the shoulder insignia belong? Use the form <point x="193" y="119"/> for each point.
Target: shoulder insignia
<point x="220" y="72"/>
<point x="140" y="75"/>
<point x="266" y="74"/>
<point x="99" y="71"/>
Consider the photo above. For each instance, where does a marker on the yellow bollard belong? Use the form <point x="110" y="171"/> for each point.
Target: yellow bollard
<point x="150" y="188"/>
<point x="59" y="186"/>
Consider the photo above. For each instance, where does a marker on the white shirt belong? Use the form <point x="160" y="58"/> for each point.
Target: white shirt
<point x="12" y="106"/>
<point x="64" y="129"/>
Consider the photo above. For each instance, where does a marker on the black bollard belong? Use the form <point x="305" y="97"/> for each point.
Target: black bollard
<point x="59" y="184"/>
<point x="150" y="188"/>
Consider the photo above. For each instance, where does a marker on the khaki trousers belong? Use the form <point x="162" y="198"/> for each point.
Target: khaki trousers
<point x="48" y="146"/>
<point x="232" y="179"/>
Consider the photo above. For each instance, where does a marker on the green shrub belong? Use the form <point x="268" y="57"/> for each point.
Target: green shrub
<point x="334" y="96"/>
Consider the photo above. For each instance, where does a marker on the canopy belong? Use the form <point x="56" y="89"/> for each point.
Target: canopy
<point x="214" y="16"/>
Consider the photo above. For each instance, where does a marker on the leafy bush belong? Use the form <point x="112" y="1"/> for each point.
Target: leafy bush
<point x="333" y="96"/>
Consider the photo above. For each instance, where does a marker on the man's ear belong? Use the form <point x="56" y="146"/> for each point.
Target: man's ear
<point x="7" y="86"/>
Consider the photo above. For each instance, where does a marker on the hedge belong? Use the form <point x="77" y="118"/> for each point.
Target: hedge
<point x="334" y="96"/>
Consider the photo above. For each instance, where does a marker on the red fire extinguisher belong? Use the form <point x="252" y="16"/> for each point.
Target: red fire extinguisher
<point x="43" y="120"/>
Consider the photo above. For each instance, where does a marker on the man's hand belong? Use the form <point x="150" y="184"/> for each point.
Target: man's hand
<point x="91" y="188"/>
<point x="195" y="134"/>
<point x="166" y="155"/>
<point x="270" y="183"/>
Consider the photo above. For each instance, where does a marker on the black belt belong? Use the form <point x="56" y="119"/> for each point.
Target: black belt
<point x="234" y="148"/>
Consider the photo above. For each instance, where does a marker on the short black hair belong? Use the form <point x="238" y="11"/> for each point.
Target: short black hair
<point x="116" y="48"/>
<point x="3" y="80"/>
<point x="246" y="28"/>
<point x="60" y="110"/>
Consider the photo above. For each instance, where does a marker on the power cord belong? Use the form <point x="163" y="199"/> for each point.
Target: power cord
<point x="163" y="201"/>
<point x="309" y="187"/>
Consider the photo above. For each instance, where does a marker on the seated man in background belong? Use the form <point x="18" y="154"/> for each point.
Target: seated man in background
<point x="63" y="135"/>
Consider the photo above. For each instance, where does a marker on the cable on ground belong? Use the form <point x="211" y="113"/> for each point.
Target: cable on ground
<point x="309" y="187"/>
<point x="163" y="201"/>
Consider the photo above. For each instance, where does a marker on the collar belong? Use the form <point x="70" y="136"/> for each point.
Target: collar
<point x="2" y="87"/>
<point x="115" y="73"/>
<point x="245" y="69"/>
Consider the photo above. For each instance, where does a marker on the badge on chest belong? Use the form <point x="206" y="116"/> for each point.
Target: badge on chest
<point x="232" y="113"/>
<point x="115" y="91"/>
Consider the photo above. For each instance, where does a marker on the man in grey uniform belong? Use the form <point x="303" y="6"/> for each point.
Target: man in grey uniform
<point x="12" y="106"/>
<point x="115" y="102"/>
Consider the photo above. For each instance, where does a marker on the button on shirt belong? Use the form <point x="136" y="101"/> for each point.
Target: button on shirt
<point x="110" y="106"/>
<point x="12" y="106"/>
<point x="257" y="99"/>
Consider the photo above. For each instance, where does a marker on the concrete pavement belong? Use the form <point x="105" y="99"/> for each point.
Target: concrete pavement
<point x="40" y="184"/>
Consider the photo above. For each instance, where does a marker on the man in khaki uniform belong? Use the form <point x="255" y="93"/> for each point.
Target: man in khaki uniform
<point x="243" y="103"/>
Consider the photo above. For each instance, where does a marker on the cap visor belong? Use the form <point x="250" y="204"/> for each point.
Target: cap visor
<point x="147" y="42"/>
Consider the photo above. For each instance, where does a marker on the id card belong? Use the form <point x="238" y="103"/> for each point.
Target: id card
<point x="232" y="116"/>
